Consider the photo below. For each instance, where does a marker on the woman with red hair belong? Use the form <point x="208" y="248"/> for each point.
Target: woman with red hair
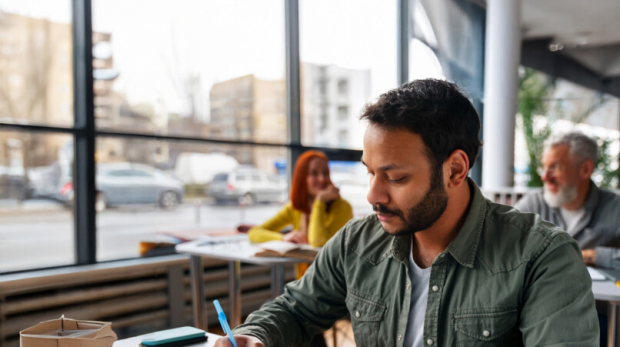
<point x="316" y="210"/>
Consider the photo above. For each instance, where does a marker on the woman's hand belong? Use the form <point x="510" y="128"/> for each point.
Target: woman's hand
<point x="242" y="341"/>
<point x="330" y="193"/>
<point x="589" y="256"/>
<point x="295" y="236"/>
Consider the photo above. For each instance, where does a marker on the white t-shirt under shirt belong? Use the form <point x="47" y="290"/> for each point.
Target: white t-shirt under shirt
<point x="414" y="336"/>
<point x="571" y="218"/>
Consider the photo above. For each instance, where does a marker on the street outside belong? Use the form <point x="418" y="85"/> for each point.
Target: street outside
<point x="43" y="236"/>
<point x="40" y="233"/>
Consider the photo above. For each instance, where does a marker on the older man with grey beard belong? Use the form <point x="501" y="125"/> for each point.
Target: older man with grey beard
<point x="572" y="201"/>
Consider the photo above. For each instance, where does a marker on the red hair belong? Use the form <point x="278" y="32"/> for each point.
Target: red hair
<point x="299" y="185"/>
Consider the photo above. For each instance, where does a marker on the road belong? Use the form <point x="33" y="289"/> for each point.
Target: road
<point x="39" y="233"/>
<point x="43" y="238"/>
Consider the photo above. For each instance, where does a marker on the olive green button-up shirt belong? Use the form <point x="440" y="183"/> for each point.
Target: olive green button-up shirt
<point x="507" y="279"/>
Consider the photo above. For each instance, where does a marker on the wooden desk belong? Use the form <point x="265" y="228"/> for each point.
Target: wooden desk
<point x="135" y="342"/>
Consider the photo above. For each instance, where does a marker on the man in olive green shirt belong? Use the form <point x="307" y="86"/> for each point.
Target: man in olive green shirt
<point x="497" y="277"/>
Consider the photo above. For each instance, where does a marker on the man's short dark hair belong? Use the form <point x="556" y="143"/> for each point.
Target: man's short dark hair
<point x="436" y="110"/>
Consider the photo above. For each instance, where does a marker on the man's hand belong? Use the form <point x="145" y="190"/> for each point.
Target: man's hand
<point x="330" y="193"/>
<point x="295" y="236"/>
<point x="589" y="255"/>
<point x="242" y="341"/>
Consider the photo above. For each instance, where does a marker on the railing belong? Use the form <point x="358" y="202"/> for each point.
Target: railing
<point x="507" y="196"/>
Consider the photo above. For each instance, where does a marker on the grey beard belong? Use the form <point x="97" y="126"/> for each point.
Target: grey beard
<point x="561" y="198"/>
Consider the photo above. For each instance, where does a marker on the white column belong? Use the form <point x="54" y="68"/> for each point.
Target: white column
<point x="501" y="83"/>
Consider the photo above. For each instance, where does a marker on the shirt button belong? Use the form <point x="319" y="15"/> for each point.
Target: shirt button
<point x="486" y="333"/>
<point x="429" y="342"/>
<point x="400" y="337"/>
<point x="357" y="314"/>
<point x="408" y="286"/>
<point x="435" y="288"/>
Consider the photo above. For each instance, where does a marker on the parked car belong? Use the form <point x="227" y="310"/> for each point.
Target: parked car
<point x="251" y="184"/>
<point x="355" y="190"/>
<point x="13" y="183"/>
<point x="129" y="183"/>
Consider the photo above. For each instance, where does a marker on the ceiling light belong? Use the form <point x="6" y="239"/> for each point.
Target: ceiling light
<point x="554" y="47"/>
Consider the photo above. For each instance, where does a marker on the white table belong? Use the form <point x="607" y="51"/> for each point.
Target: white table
<point x="608" y="291"/>
<point x="135" y="342"/>
<point x="235" y="249"/>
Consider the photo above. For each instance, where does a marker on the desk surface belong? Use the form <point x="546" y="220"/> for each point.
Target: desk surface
<point x="231" y="248"/>
<point x="135" y="342"/>
<point x="606" y="291"/>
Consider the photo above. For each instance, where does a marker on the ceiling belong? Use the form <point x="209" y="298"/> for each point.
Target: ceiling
<point x="578" y="40"/>
<point x="587" y="31"/>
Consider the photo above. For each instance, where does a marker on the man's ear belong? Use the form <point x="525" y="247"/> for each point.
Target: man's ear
<point x="586" y="169"/>
<point x="458" y="166"/>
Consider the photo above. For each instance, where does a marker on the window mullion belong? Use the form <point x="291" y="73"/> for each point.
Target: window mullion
<point x="84" y="152"/>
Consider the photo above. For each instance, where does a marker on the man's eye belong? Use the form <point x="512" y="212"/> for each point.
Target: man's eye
<point x="397" y="180"/>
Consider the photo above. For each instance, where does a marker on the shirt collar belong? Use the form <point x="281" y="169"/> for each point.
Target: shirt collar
<point x="463" y="247"/>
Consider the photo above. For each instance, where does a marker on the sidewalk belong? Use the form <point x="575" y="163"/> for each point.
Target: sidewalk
<point x="11" y="206"/>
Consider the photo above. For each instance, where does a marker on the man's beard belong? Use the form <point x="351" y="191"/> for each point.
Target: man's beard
<point x="427" y="211"/>
<point x="565" y="195"/>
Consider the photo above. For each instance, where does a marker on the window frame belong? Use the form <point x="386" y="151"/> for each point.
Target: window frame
<point x="85" y="133"/>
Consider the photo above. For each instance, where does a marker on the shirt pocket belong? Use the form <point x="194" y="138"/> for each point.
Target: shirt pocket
<point x="366" y="316"/>
<point x="489" y="326"/>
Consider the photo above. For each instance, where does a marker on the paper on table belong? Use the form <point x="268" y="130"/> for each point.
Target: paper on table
<point x="596" y="275"/>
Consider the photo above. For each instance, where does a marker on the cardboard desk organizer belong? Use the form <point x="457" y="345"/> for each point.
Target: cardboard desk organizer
<point x="65" y="332"/>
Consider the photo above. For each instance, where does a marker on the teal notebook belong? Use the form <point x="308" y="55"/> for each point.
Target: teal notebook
<point x="172" y="336"/>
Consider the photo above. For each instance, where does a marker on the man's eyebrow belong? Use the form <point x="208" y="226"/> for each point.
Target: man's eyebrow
<point x="390" y="167"/>
<point x="386" y="167"/>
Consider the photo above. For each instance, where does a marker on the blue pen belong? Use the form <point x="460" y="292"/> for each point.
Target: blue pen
<point x="224" y="323"/>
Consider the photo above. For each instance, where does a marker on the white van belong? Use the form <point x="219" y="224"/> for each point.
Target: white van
<point x="200" y="168"/>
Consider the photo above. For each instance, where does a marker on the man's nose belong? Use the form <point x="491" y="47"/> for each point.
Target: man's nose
<point x="546" y="175"/>
<point x="377" y="192"/>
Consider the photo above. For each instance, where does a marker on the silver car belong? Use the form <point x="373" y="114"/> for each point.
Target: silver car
<point x="251" y="184"/>
<point x="128" y="183"/>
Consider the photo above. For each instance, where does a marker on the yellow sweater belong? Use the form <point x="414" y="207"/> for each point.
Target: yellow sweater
<point x="321" y="227"/>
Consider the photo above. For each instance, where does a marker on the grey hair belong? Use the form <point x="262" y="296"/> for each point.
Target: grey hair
<point x="581" y="147"/>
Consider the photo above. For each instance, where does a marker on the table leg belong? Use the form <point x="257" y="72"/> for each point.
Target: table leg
<point x="196" y="273"/>
<point x="277" y="280"/>
<point x="612" y="324"/>
<point x="234" y="293"/>
<point x="274" y="291"/>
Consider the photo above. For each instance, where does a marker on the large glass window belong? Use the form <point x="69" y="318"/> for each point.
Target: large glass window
<point x="351" y="178"/>
<point x="36" y="197"/>
<point x="151" y="188"/>
<point x="190" y="114"/>
<point x="348" y="56"/>
<point x="209" y="69"/>
<point x="36" y="78"/>
<point x="447" y="41"/>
